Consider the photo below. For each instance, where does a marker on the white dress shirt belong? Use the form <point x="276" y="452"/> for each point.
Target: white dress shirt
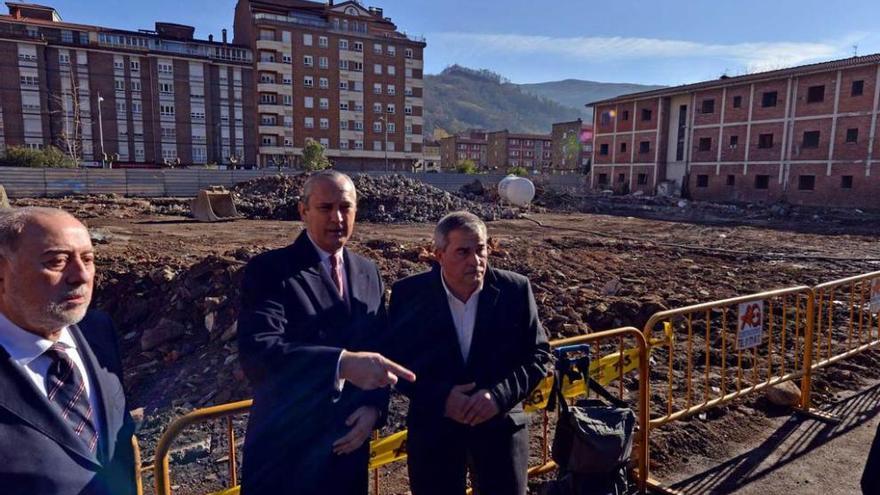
<point x="27" y="351"/>
<point x="464" y="315"/>
<point x="338" y="383"/>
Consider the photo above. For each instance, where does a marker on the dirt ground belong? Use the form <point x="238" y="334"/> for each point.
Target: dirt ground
<point x="590" y="272"/>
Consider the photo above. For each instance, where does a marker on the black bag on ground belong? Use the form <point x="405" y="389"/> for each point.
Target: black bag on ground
<point x="593" y="440"/>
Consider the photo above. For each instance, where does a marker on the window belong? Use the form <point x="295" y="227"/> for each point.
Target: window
<point x="731" y="180"/>
<point x="705" y="144"/>
<point x="166" y="88"/>
<point x="120" y="107"/>
<point x="267" y="140"/>
<point x="768" y="99"/>
<point x="135" y="65"/>
<point x="391" y="70"/>
<point x="646" y="114"/>
<point x="407" y="109"/>
<point x="623" y="147"/>
<point x="165" y="68"/>
<point x="343" y="65"/>
<point x="708" y="106"/>
<point x="765" y="141"/>
<point x="390" y="50"/>
<point x="377" y="69"/>
<point x="308" y="61"/>
<point x="734" y="141"/>
<point x="702" y="181"/>
<point x="625" y="115"/>
<point x="66" y="36"/>
<point x="603" y="149"/>
<point x="307" y="39"/>
<point x="391" y="127"/>
<point x="268" y="119"/>
<point x="811" y="140"/>
<point x="63" y="58"/>
<point x="324" y="104"/>
<point x="286" y="58"/>
<point x="392" y="90"/>
<point x="267" y="34"/>
<point x="603" y="179"/>
<point x="29" y="80"/>
<point x="358" y="125"/>
<point x="762" y="181"/>
<point x="119" y="65"/>
<point x="323" y="42"/>
<point x="135" y="85"/>
<point x="377" y="88"/>
<point x="309" y="122"/>
<point x="136" y="107"/>
<point x="358" y="145"/>
<point x="858" y="87"/>
<point x="377" y="108"/>
<point x="286" y="99"/>
<point x="343" y="124"/>
<point x="343" y="85"/>
<point x="343" y="44"/>
<point x="621" y="177"/>
<point x="323" y="63"/>
<point x="852" y="135"/>
<point x="309" y="102"/>
<point x="269" y="98"/>
<point x="166" y="110"/>
<point x="358" y="106"/>
<point x="377" y="127"/>
<point x="324" y="123"/>
<point x="737" y="101"/>
<point x="119" y="84"/>
<point x="323" y="83"/>
<point x="846" y="181"/>
<point x="358" y="46"/>
<point x="644" y="147"/>
<point x="408" y="72"/>
<point x="816" y="94"/>
<point x="390" y="108"/>
<point x="377" y="48"/>
<point x="356" y="66"/>
<point x="308" y="82"/>
<point x="806" y="182"/>
<point x="377" y="145"/>
<point x="408" y="53"/>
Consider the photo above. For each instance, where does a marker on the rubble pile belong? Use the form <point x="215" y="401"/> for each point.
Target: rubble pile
<point x="382" y="199"/>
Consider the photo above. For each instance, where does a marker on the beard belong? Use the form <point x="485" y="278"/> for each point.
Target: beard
<point x="54" y="315"/>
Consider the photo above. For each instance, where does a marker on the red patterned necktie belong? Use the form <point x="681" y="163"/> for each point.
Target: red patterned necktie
<point x="67" y="392"/>
<point x="336" y="272"/>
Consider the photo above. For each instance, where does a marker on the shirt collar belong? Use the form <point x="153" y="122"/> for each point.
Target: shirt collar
<point x="23" y="346"/>
<point x="450" y="295"/>
<point x="324" y="255"/>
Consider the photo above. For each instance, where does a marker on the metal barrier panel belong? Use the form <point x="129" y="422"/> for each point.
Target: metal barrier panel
<point x="708" y="354"/>
<point x="181" y="182"/>
<point x="105" y="181"/>
<point x="145" y="183"/>
<point x="208" y="178"/>
<point x="63" y="182"/>
<point x="23" y="182"/>
<point x="614" y="354"/>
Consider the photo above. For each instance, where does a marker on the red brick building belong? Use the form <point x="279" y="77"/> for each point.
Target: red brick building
<point x="506" y="149"/>
<point x="471" y="145"/>
<point x="805" y="135"/>
<point x="143" y="98"/>
<point x="341" y="74"/>
<point x="572" y="146"/>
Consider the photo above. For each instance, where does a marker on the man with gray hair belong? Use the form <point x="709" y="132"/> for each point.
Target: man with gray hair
<point x="64" y="425"/>
<point x="472" y="335"/>
<point x="310" y="315"/>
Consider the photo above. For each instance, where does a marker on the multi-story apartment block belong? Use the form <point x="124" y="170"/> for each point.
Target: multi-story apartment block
<point x="805" y="135"/>
<point x="139" y="98"/>
<point x="572" y="147"/>
<point x="532" y="151"/>
<point x="340" y="74"/>
<point x="470" y="145"/>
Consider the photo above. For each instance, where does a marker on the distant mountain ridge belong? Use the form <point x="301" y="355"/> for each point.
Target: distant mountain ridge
<point x="460" y="98"/>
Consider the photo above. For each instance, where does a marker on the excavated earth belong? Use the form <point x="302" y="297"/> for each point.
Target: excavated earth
<point x="172" y="285"/>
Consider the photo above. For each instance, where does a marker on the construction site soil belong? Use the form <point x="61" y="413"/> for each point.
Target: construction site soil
<point x="172" y="287"/>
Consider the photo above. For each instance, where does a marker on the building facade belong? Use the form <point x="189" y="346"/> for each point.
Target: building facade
<point x="340" y="74"/>
<point x="470" y="145"/>
<point x="805" y="135"/>
<point x="531" y="151"/>
<point x="572" y="147"/>
<point x="136" y="98"/>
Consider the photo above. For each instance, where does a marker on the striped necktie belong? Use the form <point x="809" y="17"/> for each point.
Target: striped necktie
<point x="336" y="272"/>
<point x="66" y="390"/>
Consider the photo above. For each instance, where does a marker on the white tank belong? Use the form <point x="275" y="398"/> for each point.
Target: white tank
<point x="516" y="190"/>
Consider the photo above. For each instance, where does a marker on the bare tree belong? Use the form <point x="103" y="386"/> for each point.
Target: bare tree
<point x="68" y="103"/>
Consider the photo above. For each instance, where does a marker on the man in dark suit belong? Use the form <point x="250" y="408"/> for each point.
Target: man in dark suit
<point x="871" y="475"/>
<point x="64" y="425"/>
<point x="311" y="313"/>
<point x="471" y="333"/>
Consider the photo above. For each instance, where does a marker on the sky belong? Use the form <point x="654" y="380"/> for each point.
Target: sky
<point x="665" y="42"/>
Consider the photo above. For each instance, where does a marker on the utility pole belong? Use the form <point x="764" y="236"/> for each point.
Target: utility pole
<point x="385" y="125"/>
<point x="101" y="132"/>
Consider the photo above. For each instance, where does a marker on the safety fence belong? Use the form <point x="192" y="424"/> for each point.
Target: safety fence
<point x="687" y="360"/>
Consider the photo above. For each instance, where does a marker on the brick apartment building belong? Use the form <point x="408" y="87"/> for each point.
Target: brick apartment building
<point x="506" y="149"/>
<point x="572" y="146"/>
<point x="805" y="135"/>
<point x="155" y="97"/>
<point x="340" y="74"/>
<point x="471" y="145"/>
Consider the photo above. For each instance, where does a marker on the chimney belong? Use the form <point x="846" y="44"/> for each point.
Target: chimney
<point x="211" y="38"/>
<point x="330" y="3"/>
<point x="223" y="31"/>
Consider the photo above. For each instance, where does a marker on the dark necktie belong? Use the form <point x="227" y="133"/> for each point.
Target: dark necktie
<point x="336" y="275"/>
<point x="66" y="390"/>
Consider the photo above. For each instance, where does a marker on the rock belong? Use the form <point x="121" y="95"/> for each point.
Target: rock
<point x="209" y="321"/>
<point x="230" y="333"/>
<point x="164" y="331"/>
<point x="162" y="274"/>
<point x="191" y="451"/>
<point x="785" y="394"/>
<point x="612" y="287"/>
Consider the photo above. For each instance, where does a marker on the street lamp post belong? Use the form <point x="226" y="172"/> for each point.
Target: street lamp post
<point x="385" y="147"/>
<point x="101" y="132"/>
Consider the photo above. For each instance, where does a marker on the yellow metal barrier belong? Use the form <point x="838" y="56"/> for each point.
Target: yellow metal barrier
<point x="605" y="367"/>
<point x="714" y="352"/>
<point x="846" y="322"/>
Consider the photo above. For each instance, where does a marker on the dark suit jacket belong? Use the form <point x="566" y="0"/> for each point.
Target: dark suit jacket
<point x="508" y="356"/>
<point x="291" y="330"/>
<point x="39" y="452"/>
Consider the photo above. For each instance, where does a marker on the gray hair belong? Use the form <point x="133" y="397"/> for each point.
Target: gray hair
<point x="457" y="220"/>
<point x="328" y="175"/>
<point x="14" y="220"/>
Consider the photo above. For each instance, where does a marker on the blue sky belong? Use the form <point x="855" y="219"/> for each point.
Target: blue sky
<point x="649" y="42"/>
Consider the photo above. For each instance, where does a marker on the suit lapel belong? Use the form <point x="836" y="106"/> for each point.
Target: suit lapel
<point x="443" y="317"/>
<point x="357" y="280"/>
<point x="106" y="384"/>
<point x="486" y="304"/>
<point x="314" y="276"/>
<point x="19" y="396"/>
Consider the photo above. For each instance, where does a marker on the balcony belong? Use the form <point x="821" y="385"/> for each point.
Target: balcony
<point x="272" y="45"/>
<point x="286" y="19"/>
